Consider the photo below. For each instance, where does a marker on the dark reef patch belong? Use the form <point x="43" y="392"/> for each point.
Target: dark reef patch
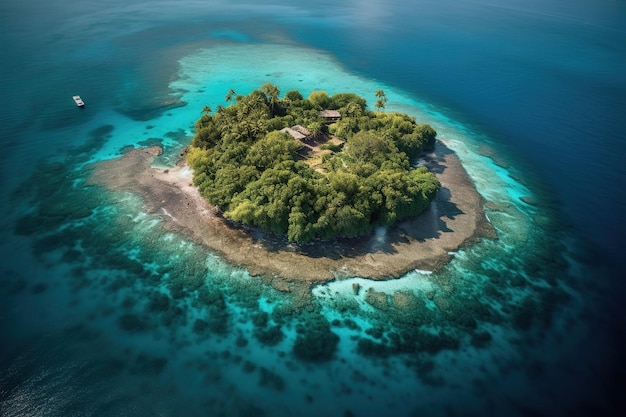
<point x="315" y="341"/>
<point x="270" y="336"/>
<point x="132" y="323"/>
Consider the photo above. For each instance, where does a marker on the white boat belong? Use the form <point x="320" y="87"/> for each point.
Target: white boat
<point x="79" y="102"/>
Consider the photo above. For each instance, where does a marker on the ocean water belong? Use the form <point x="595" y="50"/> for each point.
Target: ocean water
<point x="103" y="312"/>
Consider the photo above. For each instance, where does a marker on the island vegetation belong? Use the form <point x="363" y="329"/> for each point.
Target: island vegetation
<point x="311" y="168"/>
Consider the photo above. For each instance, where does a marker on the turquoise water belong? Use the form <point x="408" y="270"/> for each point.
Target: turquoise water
<point x="104" y="312"/>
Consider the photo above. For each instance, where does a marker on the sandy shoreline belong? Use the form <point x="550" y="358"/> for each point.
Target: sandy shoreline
<point x="454" y="219"/>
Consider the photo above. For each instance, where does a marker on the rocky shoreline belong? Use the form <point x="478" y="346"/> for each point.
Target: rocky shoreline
<point x="454" y="219"/>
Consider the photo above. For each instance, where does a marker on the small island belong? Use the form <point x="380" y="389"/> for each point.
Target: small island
<point x="319" y="168"/>
<point x="310" y="190"/>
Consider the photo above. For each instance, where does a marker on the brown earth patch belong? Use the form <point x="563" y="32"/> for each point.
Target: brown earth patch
<point x="454" y="219"/>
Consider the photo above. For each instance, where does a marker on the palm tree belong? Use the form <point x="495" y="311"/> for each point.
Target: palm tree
<point x="271" y="92"/>
<point x="315" y="128"/>
<point x="231" y="93"/>
<point x="382" y="99"/>
<point x="206" y="109"/>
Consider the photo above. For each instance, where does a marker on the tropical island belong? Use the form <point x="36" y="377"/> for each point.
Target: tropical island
<point x="311" y="168"/>
<point x="311" y="190"/>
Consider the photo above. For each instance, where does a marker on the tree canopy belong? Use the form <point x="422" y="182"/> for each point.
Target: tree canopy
<point x="257" y="175"/>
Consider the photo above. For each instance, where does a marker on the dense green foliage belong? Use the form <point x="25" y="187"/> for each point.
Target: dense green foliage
<point x="255" y="174"/>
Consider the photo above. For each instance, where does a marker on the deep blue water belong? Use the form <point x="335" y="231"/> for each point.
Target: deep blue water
<point x="102" y="312"/>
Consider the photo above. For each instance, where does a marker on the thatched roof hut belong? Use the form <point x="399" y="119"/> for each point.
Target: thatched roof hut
<point x="294" y="133"/>
<point x="301" y="129"/>
<point x="330" y="115"/>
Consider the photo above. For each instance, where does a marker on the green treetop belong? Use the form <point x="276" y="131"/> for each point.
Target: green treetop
<point x="338" y="178"/>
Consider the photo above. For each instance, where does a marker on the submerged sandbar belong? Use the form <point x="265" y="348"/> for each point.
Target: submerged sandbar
<point x="454" y="219"/>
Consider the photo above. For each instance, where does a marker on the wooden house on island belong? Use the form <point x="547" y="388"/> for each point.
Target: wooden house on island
<point x="297" y="132"/>
<point x="330" y="116"/>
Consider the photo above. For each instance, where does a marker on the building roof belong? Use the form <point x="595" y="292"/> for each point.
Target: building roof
<point x="294" y="133"/>
<point x="330" y="114"/>
<point x="301" y="129"/>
